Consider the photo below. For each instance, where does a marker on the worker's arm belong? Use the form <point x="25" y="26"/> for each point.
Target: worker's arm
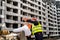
<point x="18" y="29"/>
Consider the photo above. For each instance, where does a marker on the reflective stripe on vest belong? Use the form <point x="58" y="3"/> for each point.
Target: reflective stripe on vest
<point x="37" y="28"/>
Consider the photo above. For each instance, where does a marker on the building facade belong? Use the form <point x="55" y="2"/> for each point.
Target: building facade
<point x="14" y="10"/>
<point x="1" y="15"/>
<point x="58" y="15"/>
<point x="51" y="18"/>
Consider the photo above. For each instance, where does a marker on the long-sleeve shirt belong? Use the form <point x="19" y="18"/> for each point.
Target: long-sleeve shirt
<point x="25" y="29"/>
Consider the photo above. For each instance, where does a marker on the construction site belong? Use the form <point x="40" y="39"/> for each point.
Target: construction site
<point x="46" y="11"/>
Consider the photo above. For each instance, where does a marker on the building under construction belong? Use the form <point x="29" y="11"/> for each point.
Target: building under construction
<point x="13" y="11"/>
<point x="58" y="15"/>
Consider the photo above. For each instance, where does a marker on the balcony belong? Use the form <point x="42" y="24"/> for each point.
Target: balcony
<point x="32" y="7"/>
<point x="10" y="29"/>
<point x="11" y="6"/>
<point x="28" y="11"/>
<point x="58" y="8"/>
<point x="53" y="27"/>
<point x="24" y="4"/>
<point x="11" y="21"/>
<point x="52" y="30"/>
<point x="11" y="13"/>
<point x="45" y="35"/>
<point x="33" y="2"/>
<point x="54" y="35"/>
<point x="16" y="0"/>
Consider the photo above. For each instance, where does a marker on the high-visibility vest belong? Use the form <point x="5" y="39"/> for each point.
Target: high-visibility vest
<point x="37" y="28"/>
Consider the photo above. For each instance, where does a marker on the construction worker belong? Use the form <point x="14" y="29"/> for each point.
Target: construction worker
<point x="36" y="28"/>
<point x="29" y="25"/>
<point x="25" y="28"/>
